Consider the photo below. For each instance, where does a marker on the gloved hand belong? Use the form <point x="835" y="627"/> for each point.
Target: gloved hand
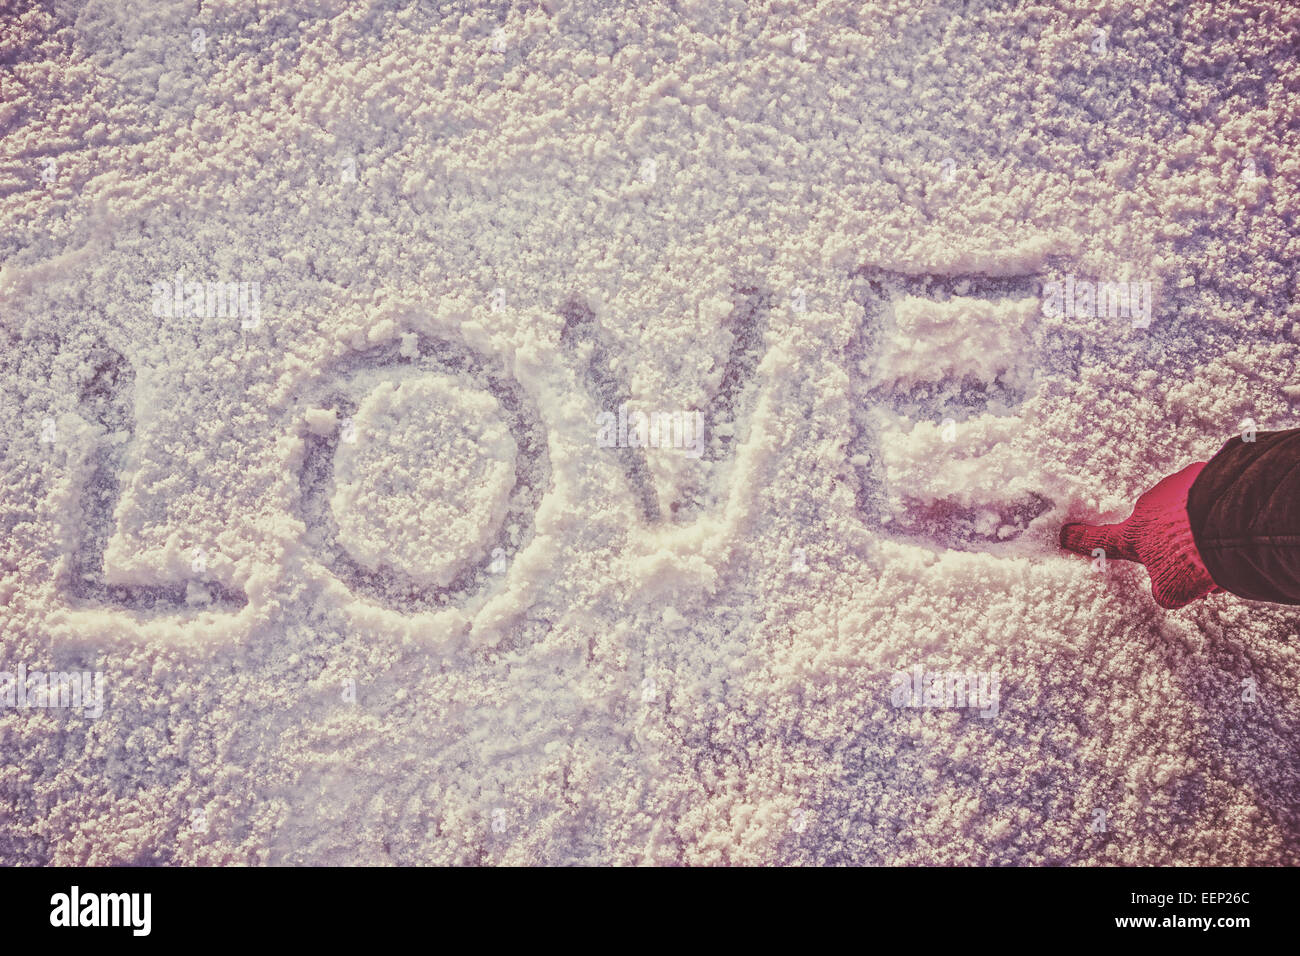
<point x="1157" y="534"/>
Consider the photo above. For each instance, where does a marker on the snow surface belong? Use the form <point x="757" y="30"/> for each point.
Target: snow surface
<point x="465" y="633"/>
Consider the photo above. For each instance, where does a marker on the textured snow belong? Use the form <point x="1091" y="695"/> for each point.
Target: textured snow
<point x="425" y="479"/>
<point x="475" y="636"/>
<point x="933" y="341"/>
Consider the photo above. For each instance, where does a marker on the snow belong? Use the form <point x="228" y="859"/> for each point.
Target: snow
<point x="473" y="635"/>
<point x="425" y="480"/>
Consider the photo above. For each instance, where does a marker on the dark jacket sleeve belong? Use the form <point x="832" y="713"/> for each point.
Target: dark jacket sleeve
<point x="1244" y="511"/>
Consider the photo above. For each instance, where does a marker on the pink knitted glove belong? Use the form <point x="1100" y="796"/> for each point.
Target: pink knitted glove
<point x="1157" y="534"/>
